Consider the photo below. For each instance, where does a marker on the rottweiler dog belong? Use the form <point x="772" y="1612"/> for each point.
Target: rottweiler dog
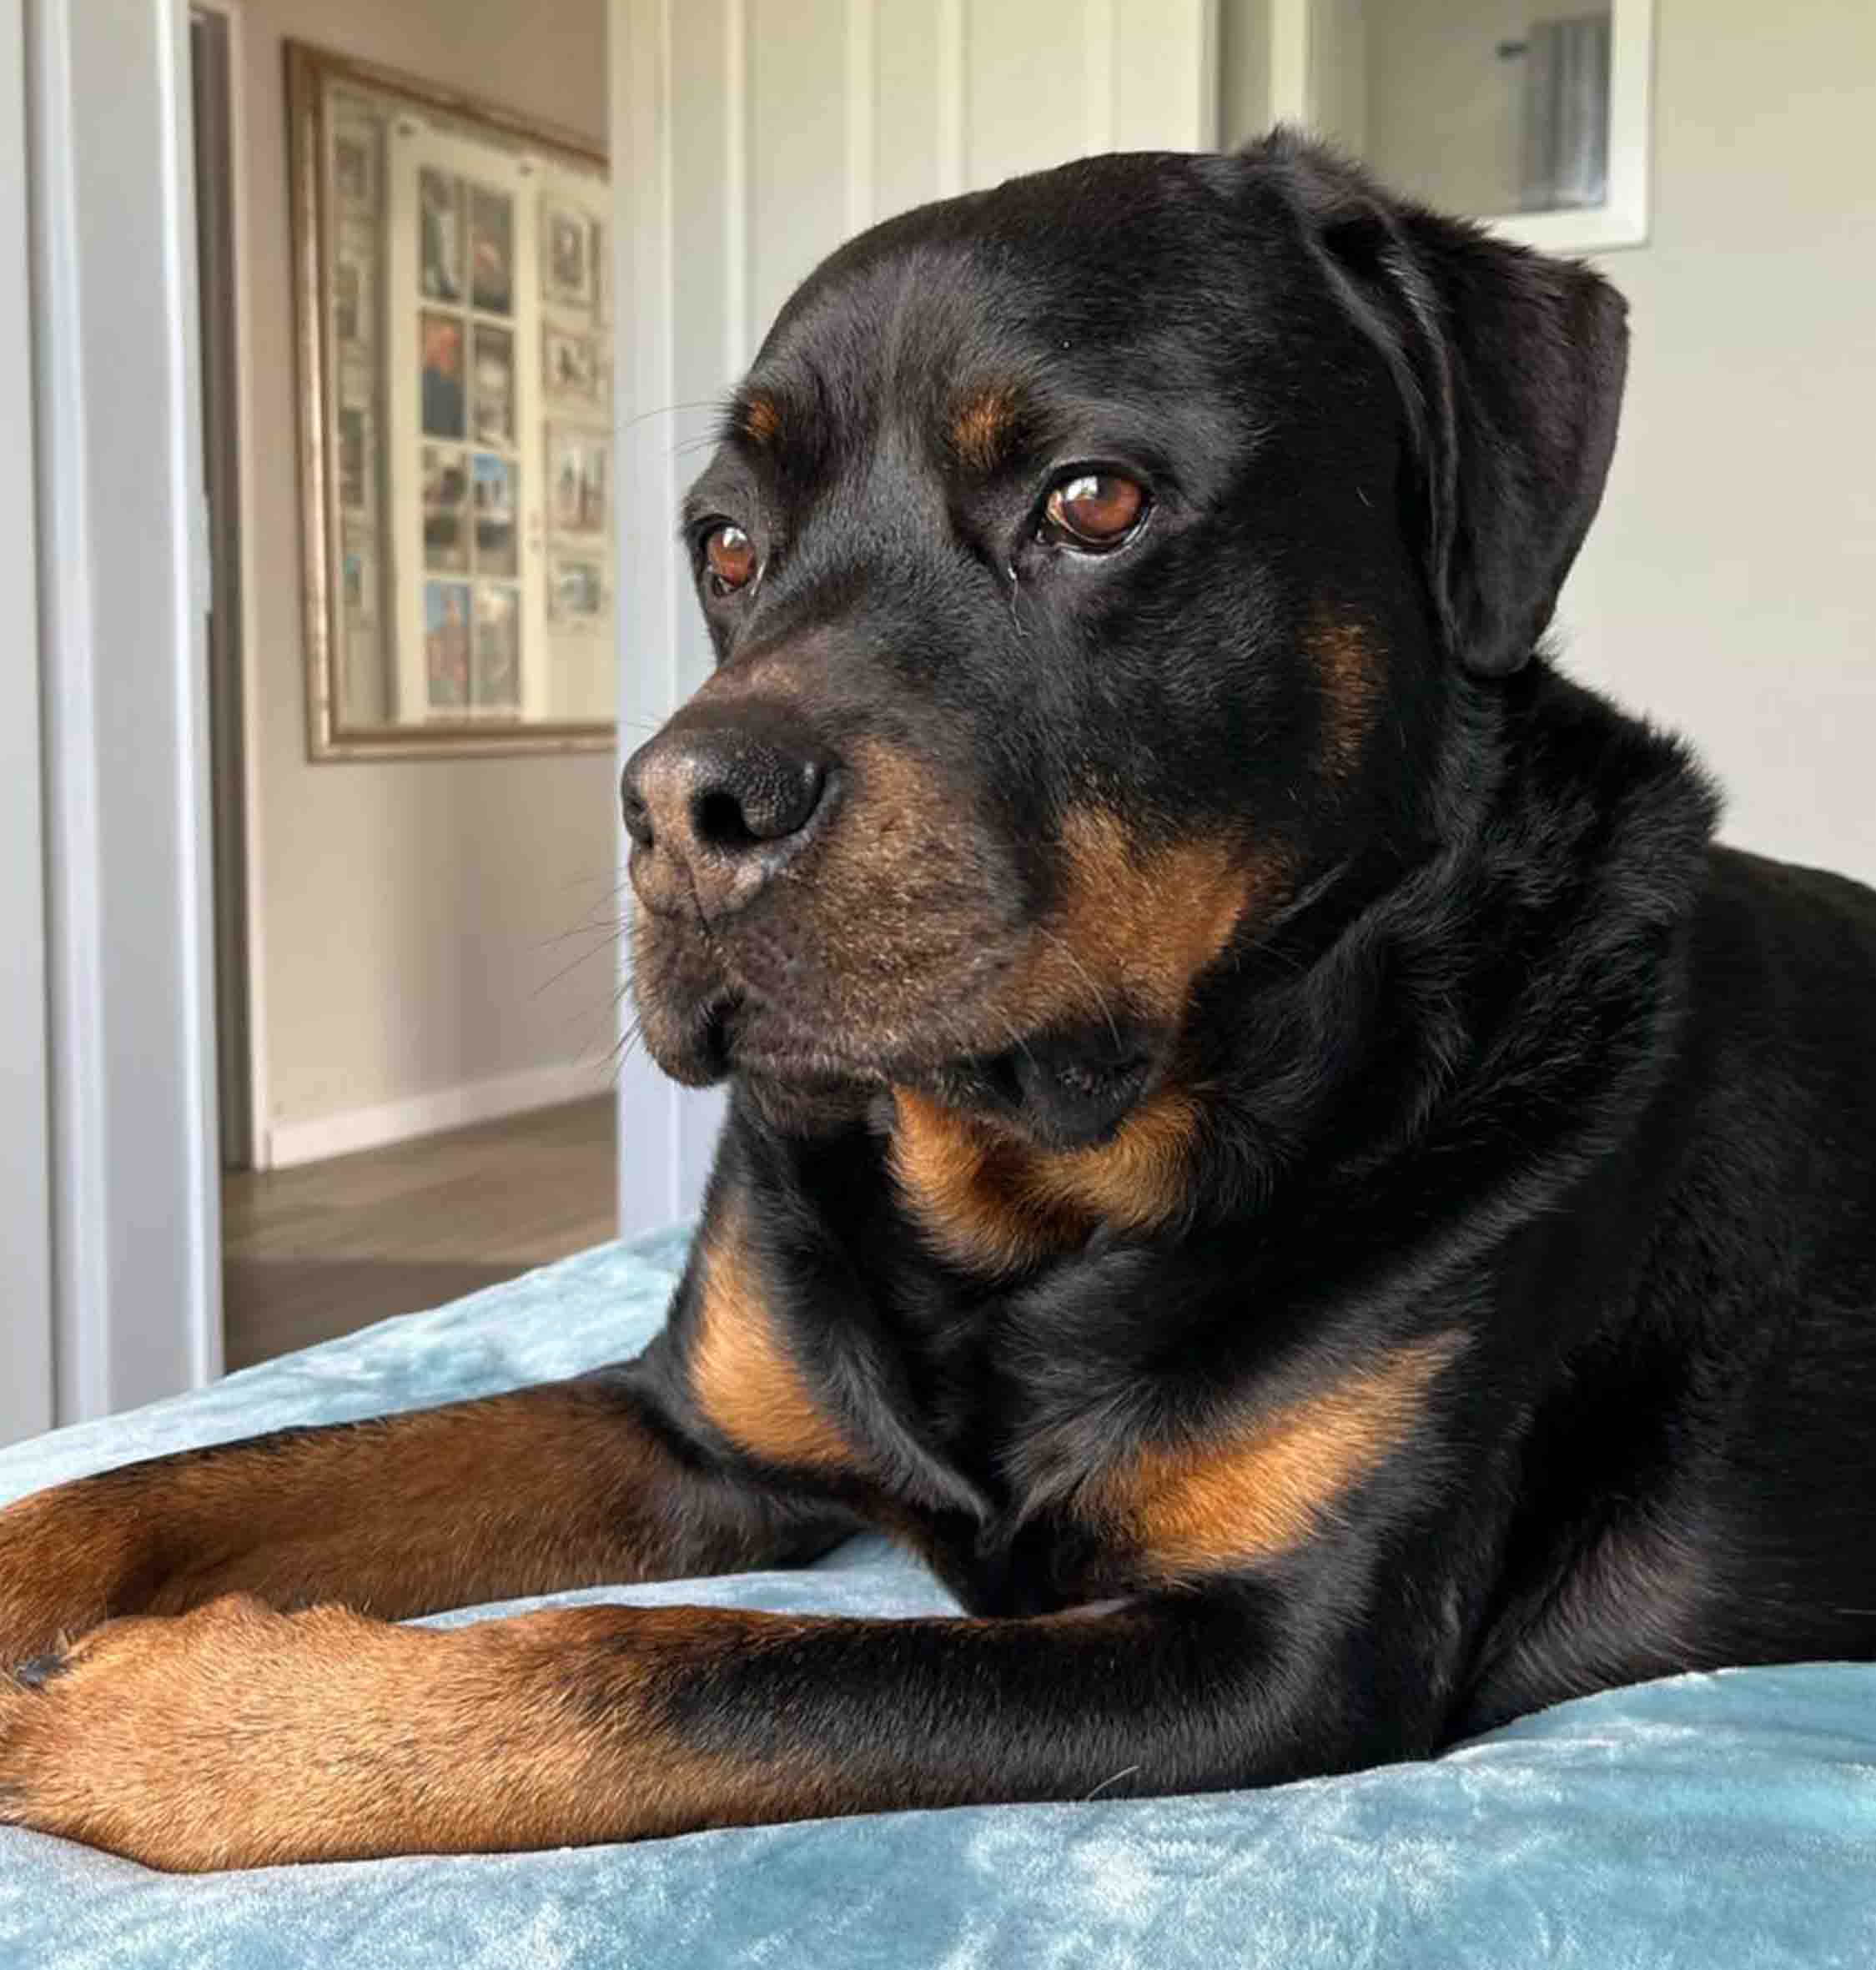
<point x="1265" y="1142"/>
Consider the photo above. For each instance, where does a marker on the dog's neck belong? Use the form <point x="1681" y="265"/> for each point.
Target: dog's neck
<point x="1546" y="918"/>
<point x="1545" y="922"/>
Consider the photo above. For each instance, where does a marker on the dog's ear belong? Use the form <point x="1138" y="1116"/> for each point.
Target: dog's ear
<point x="1509" y="365"/>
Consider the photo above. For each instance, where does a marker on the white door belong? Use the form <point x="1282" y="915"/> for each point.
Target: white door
<point x="749" y="139"/>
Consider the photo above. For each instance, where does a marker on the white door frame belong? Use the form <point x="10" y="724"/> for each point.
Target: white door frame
<point x="26" y="1330"/>
<point x="241" y="805"/>
<point x="123" y="592"/>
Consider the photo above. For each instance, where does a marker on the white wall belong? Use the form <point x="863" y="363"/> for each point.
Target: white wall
<point x="1729" y="586"/>
<point x="411" y="912"/>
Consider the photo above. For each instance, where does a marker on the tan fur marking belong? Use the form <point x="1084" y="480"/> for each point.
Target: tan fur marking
<point x="1129" y="930"/>
<point x="963" y="1185"/>
<point x="1263" y="1490"/>
<point x="1346" y="661"/>
<point x="1138" y="1181"/>
<point x="982" y="426"/>
<point x="741" y="1372"/>
<point x="993" y="1204"/>
<point x="759" y="418"/>
<point x="1143" y="925"/>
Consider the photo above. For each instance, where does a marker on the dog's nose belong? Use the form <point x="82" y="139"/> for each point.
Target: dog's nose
<point x="719" y="808"/>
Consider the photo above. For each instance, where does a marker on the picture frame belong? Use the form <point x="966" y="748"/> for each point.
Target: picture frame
<point x="354" y="166"/>
<point x="573" y="367"/>
<point x="355" y="289"/>
<point x="569" y="273"/>
<point x="432" y="395"/>
<point x="577" y="594"/>
<point x="579" y="482"/>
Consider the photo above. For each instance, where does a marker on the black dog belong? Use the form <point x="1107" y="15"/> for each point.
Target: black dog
<point x="1265" y="1142"/>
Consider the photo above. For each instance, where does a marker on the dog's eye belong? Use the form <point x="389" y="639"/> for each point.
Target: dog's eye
<point x="1094" y="509"/>
<point x="730" y="555"/>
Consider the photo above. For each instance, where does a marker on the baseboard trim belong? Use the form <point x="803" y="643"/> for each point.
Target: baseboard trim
<point x="290" y="1143"/>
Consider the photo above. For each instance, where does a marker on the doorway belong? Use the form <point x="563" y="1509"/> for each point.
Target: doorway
<point x="332" y="1220"/>
<point x="212" y="90"/>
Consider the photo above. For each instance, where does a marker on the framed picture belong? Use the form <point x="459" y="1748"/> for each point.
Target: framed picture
<point x="572" y="370"/>
<point x="446" y="644"/>
<point x="443" y="399"/>
<point x="359" y="579"/>
<point x="456" y="382"/>
<point x="493" y="385"/>
<point x="445" y="510"/>
<point x="357" y="456"/>
<point x="440" y="236"/>
<point x="579" y="479"/>
<point x="497" y="550"/>
<point x="577" y="596"/>
<point x="496" y="679"/>
<point x="355" y="164"/>
<point x="567" y="264"/>
<point x="491" y="250"/>
<point x="355" y="289"/>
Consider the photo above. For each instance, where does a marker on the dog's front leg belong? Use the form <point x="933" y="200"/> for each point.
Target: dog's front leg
<point x="240" y="1736"/>
<point x="569" y="1484"/>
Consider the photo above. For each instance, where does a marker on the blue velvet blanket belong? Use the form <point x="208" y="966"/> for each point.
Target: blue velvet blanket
<point x="1707" y="1821"/>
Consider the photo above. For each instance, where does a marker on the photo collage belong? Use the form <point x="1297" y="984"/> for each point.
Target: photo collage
<point x="465" y="467"/>
<point x="472" y="469"/>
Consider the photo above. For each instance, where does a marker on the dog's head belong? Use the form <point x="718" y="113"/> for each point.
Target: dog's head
<point x="1093" y="564"/>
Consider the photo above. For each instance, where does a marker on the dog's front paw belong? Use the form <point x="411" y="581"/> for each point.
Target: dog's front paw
<point x="235" y="1735"/>
<point x="182" y="1741"/>
<point x="112" y="1741"/>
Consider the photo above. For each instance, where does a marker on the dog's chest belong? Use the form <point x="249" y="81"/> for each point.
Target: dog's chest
<point x="1010" y="1517"/>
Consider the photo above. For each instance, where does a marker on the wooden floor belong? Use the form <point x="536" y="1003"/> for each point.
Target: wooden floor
<point x="313" y="1253"/>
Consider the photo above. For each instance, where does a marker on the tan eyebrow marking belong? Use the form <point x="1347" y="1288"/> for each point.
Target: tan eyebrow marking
<point x="758" y="417"/>
<point x="983" y="425"/>
<point x="1349" y="666"/>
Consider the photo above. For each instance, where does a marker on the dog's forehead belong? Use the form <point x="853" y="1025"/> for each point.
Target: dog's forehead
<point x="1114" y="277"/>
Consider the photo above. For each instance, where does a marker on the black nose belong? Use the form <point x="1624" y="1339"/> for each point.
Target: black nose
<point x="720" y="807"/>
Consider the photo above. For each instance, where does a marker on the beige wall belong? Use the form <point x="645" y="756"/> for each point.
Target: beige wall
<point x="408" y="911"/>
<point x="1729" y="586"/>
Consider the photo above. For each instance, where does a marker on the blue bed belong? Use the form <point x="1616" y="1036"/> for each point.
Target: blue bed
<point x="1706" y="1820"/>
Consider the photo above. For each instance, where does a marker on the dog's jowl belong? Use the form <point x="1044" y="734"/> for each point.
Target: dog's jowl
<point x="1264" y="1140"/>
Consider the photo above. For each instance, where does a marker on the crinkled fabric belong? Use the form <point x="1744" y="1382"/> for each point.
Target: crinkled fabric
<point x="1703" y="1822"/>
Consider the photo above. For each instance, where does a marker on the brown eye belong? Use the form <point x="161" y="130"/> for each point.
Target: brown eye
<point x="730" y="554"/>
<point x="1094" y="510"/>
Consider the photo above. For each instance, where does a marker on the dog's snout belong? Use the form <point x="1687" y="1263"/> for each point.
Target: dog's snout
<point x="719" y="808"/>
